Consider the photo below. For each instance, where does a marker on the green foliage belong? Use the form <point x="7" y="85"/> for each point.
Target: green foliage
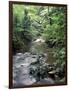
<point x="26" y="20"/>
<point x="31" y="22"/>
<point x="21" y="33"/>
<point x="55" y="34"/>
<point x="46" y="22"/>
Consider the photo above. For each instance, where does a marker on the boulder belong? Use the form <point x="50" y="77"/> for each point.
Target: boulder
<point x="52" y="72"/>
<point x="46" y="81"/>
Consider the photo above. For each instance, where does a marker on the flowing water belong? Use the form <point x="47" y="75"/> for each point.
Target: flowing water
<point x="22" y="63"/>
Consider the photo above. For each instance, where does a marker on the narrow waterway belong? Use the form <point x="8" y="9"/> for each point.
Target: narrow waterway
<point x="22" y="64"/>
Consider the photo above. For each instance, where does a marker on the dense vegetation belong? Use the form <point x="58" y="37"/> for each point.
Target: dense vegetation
<point x="32" y="22"/>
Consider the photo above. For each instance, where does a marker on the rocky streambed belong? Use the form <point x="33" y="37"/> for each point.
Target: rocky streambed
<point x="37" y="66"/>
<point x="22" y="67"/>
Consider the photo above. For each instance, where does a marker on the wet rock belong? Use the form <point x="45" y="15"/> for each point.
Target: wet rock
<point x="19" y="54"/>
<point x="21" y="69"/>
<point x="33" y="52"/>
<point x="46" y="81"/>
<point x="60" y="72"/>
<point x="27" y="64"/>
<point x="26" y="54"/>
<point x="44" y="55"/>
<point x="34" y="56"/>
<point x="56" y="78"/>
<point x="62" y="80"/>
<point x="52" y="72"/>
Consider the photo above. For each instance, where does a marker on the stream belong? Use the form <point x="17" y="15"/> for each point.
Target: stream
<point x="22" y="64"/>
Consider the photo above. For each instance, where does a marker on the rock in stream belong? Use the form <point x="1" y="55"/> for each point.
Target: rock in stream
<point x="21" y="69"/>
